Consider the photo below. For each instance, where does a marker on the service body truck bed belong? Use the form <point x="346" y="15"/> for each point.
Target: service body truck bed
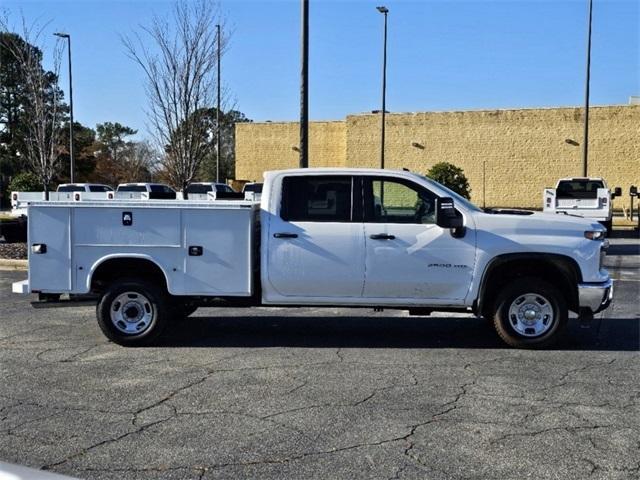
<point x="201" y="248"/>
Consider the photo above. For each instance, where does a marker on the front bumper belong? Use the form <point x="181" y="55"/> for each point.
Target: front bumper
<point x="595" y="296"/>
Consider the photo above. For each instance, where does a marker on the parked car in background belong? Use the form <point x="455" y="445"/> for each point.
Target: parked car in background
<point x="66" y="192"/>
<point x="205" y="187"/>
<point x="83" y="187"/>
<point x="583" y="197"/>
<point x="145" y="191"/>
<point x="252" y="191"/>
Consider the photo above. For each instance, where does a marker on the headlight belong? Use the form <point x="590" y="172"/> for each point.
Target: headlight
<point x="594" y="234"/>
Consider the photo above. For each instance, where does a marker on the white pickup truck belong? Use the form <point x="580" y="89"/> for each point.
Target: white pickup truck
<point x="321" y="237"/>
<point x="583" y="197"/>
<point x="65" y="191"/>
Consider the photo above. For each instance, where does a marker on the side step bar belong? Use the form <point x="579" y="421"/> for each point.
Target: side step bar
<point x="47" y="300"/>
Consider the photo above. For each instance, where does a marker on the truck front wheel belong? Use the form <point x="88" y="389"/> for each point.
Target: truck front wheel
<point x="132" y="312"/>
<point x="530" y="313"/>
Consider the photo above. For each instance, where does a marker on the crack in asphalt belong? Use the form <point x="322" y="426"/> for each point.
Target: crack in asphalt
<point x="572" y="430"/>
<point x="86" y="450"/>
<point x="444" y="409"/>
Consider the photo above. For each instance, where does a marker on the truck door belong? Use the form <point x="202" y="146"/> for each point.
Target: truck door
<point x="315" y="248"/>
<point x="408" y="257"/>
<point x="50" y="270"/>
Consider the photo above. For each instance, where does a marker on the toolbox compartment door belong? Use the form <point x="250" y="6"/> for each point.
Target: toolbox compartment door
<point x="50" y="271"/>
<point x="218" y="252"/>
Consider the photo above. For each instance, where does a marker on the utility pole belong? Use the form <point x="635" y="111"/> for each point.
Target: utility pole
<point x="304" y="88"/>
<point x="218" y="127"/>
<point x="71" y="157"/>
<point x="585" y="141"/>
<point x="384" y="11"/>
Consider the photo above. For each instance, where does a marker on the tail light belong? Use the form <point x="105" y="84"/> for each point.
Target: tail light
<point x="604" y="200"/>
<point x="15" y="196"/>
<point x="77" y="197"/>
<point x="110" y="196"/>
<point x="548" y="202"/>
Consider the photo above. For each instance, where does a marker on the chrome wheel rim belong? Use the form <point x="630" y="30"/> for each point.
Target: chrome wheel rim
<point x="131" y="313"/>
<point x="531" y="315"/>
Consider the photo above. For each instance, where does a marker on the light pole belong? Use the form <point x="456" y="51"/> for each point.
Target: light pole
<point x="304" y="87"/>
<point x="218" y="113"/>
<point x="68" y="37"/>
<point x="585" y="141"/>
<point x="384" y="11"/>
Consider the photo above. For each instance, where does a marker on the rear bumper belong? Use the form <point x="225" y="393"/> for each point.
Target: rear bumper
<point x="21" y="288"/>
<point x="595" y="296"/>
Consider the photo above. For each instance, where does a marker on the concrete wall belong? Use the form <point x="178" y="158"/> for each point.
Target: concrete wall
<point x="269" y="146"/>
<point x="509" y="156"/>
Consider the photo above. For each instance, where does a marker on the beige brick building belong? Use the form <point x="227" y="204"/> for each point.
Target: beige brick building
<point x="509" y="156"/>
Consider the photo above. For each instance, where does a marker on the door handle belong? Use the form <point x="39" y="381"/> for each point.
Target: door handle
<point x="285" y="235"/>
<point x="382" y="236"/>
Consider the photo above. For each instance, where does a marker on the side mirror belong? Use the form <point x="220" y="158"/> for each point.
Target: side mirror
<point x="617" y="192"/>
<point x="446" y="214"/>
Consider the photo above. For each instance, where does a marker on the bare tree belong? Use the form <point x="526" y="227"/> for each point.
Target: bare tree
<point x="139" y="161"/>
<point x="180" y="70"/>
<point x="42" y="109"/>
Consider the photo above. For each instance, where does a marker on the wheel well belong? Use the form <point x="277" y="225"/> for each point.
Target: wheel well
<point x="558" y="270"/>
<point x="114" y="268"/>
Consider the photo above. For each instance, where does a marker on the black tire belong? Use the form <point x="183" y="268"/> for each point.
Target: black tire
<point x="547" y="296"/>
<point x="147" y="299"/>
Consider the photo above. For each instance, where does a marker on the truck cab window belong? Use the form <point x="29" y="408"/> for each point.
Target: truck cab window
<point x="100" y="188"/>
<point x="132" y="188"/>
<point x="199" y="188"/>
<point x="579" y="189"/>
<point x="317" y="199"/>
<point x="71" y="188"/>
<point x="393" y="201"/>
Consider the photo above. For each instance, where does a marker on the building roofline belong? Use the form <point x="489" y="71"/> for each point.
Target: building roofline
<point x="424" y="112"/>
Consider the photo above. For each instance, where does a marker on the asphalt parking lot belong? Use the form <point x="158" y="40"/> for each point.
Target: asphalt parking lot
<point x="310" y="393"/>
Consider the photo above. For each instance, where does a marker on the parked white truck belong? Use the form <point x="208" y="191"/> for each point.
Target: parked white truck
<point x="583" y="197"/>
<point x="65" y="191"/>
<point x="321" y="237"/>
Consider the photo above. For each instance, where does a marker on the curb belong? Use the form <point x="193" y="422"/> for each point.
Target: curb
<point x="9" y="264"/>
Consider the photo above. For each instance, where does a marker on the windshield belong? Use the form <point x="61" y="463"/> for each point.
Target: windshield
<point x="458" y="199"/>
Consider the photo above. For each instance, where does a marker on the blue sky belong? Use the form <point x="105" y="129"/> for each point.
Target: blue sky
<point x="443" y="55"/>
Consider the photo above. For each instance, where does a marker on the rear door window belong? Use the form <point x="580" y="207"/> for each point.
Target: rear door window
<point x="99" y="188"/>
<point x="132" y="188"/>
<point x="198" y="188"/>
<point x="253" y="187"/>
<point x="326" y="198"/>
<point x="579" y="189"/>
<point x="71" y="188"/>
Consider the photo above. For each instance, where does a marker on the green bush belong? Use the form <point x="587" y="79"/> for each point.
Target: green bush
<point x="25" y="182"/>
<point x="451" y="177"/>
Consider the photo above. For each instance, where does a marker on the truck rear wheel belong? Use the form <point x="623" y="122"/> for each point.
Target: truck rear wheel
<point x="530" y="313"/>
<point x="132" y="312"/>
